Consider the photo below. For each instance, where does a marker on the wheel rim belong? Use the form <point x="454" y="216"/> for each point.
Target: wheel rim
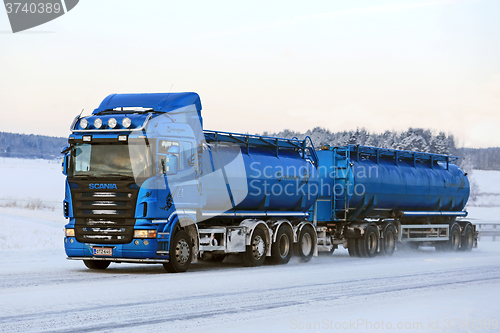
<point x="284" y="246"/>
<point x="306" y="244"/>
<point x="258" y="247"/>
<point x="182" y="251"/>
<point x="469" y="239"/>
<point x="372" y="243"/>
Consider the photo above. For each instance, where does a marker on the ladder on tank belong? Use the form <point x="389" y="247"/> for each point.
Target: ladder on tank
<point x="340" y="174"/>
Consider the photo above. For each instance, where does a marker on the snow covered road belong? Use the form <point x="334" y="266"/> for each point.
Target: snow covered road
<point x="49" y="293"/>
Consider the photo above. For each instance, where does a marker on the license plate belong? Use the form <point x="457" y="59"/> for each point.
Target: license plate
<point x="102" y="251"/>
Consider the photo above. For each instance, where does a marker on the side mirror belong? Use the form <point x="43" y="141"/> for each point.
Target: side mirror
<point x="65" y="163"/>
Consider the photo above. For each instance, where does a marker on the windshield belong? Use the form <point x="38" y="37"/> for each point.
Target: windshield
<point x="105" y="160"/>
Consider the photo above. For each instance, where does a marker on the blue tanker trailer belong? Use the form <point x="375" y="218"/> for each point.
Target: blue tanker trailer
<point x="146" y="184"/>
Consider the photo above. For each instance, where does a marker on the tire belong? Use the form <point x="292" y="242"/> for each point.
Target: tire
<point x="255" y="254"/>
<point x="96" y="264"/>
<point x="306" y="243"/>
<point x="368" y="244"/>
<point x="388" y="243"/>
<point x="352" y="247"/>
<point x="181" y="253"/>
<point x="467" y="239"/>
<point x="281" y="250"/>
<point x="453" y="244"/>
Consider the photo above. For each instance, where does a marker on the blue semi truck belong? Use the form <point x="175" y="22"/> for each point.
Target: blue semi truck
<point x="147" y="184"/>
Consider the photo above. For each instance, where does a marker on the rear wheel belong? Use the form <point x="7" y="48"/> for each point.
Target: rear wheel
<point x="467" y="239"/>
<point x="368" y="244"/>
<point x="255" y="253"/>
<point x="96" y="264"/>
<point x="181" y="253"/>
<point x="453" y="243"/>
<point x="281" y="250"/>
<point x="352" y="247"/>
<point x="388" y="245"/>
<point x="306" y="243"/>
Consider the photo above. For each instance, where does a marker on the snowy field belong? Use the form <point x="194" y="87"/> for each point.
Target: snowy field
<point x="421" y="291"/>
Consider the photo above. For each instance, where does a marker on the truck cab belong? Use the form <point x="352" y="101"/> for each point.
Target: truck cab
<point x="146" y="184"/>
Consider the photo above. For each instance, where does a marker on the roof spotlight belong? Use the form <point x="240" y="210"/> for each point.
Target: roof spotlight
<point x="126" y="122"/>
<point x="84" y="123"/>
<point x="98" y="123"/>
<point x="112" y="123"/>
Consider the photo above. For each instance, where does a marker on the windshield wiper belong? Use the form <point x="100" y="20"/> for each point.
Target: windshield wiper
<point x="116" y="175"/>
<point x="84" y="176"/>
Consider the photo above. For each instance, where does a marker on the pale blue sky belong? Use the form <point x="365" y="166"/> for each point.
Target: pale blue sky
<point x="265" y="65"/>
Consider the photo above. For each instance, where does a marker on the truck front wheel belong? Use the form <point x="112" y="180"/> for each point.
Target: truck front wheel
<point x="181" y="253"/>
<point x="96" y="264"/>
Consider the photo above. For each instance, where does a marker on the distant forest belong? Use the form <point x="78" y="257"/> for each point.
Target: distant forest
<point x="46" y="147"/>
<point x="31" y="146"/>
<point x="418" y="139"/>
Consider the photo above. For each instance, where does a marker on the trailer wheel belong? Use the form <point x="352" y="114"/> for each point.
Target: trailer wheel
<point x="305" y="245"/>
<point x="388" y="245"/>
<point x="467" y="239"/>
<point x="181" y="253"/>
<point x="96" y="264"/>
<point x="368" y="244"/>
<point x="281" y="250"/>
<point x="255" y="254"/>
<point x="453" y="244"/>
<point x="352" y="247"/>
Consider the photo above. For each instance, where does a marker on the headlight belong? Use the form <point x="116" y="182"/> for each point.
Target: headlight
<point x="126" y="122"/>
<point x="84" y="123"/>
<point x="98" y="123"/>
<point x="69" y="232"/>
<point x="144" y="233"/>
<point x="112" y="123"/>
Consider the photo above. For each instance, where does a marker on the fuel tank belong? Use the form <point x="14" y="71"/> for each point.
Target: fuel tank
<point x="257" y="178"/>
<point x="374" y="182"/>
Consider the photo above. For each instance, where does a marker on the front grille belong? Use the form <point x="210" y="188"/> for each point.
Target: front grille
<point x="104" y="231"/>
<point x="104" y="216"/>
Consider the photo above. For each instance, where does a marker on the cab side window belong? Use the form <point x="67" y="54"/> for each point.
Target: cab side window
<point x="184" y="154"/>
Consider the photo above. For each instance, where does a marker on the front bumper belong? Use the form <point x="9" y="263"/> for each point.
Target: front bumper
<point x="129" y="252"/>
<point x="131" y="260"/>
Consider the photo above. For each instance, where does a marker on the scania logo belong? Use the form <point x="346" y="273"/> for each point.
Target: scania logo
<point x="97" y="186"/>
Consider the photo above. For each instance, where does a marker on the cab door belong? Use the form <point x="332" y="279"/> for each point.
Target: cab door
<point x="178" y="186"/>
